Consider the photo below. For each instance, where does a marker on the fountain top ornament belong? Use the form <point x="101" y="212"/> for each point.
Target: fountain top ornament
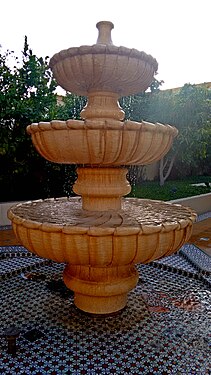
<point x="103" y="67"/>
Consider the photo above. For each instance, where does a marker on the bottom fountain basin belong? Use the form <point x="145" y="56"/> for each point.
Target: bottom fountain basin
<point x="101" y="247"/>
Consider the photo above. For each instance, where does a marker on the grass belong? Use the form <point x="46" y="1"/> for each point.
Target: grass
<point x="171" y="189"/>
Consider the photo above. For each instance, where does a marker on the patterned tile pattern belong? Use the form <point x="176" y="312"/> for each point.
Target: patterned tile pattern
<point x="199" y="259"/>
<point x="164" y="330"/>
<point x="16" y="259"/>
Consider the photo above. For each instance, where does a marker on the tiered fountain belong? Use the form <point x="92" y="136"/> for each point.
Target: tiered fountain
<point x="100" y="235"/>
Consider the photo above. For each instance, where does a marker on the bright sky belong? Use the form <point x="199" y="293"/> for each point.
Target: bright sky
<point x="176" y="32"/>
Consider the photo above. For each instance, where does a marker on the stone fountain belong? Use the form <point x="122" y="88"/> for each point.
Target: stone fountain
<point x="99" y="234"/>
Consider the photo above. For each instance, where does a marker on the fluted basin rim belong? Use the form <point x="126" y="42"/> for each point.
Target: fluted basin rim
<point x="101" y="125"/>
<point x="103" y="49"/>
<point x="143" y="230"/>
<point x="18" y="215"/>
<point x="119" y="143"/>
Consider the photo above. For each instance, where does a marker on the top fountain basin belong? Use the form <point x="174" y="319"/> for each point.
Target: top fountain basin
<point x="103" y="67"/>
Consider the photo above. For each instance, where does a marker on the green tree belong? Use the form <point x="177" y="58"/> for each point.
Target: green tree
<point x="136" y="107"/>
<point x="189" y="110"/>
<point x="193" y="116"/>
<point x="70" y="107"/>
<point x="27" y="95"/>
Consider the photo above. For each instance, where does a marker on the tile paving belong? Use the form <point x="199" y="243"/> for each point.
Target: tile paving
<point x="165" y="328"/>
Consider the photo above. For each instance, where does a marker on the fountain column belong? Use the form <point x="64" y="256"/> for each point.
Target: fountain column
<point x="102" y="189"/>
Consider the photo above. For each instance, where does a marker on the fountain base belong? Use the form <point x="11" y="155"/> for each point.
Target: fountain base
<point x="100" y="290"/>
<point x="100" y="305"/>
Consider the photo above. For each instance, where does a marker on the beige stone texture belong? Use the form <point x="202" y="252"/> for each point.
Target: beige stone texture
<point x="100" y="235"/>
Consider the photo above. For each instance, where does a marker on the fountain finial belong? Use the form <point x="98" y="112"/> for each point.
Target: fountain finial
<point x="104" y="29"/>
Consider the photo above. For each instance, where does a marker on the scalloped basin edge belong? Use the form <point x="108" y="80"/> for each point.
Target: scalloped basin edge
<point x="102" y="142"/>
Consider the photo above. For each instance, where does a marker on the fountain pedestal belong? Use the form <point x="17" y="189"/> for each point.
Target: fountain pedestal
<point x="101" y="189"/>
<point x="100" y="290"/>
<point x="103" y="105"/>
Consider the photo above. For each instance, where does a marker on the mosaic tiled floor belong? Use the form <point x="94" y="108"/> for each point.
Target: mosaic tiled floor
<point x="164" y="330"/>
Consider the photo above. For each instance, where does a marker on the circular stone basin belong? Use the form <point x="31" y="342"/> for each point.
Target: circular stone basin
<point x="103" y="67"/>
<point x="142" y="231"/>
<point x="102" y="142"/>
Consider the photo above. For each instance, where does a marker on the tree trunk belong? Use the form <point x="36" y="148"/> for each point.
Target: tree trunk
<point x="165" y="168"/>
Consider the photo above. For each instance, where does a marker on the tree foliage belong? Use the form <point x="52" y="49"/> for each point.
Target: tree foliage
<point x="26" y="96"/>
<point x="70" y="107"/>
<point x="189" y="110"/>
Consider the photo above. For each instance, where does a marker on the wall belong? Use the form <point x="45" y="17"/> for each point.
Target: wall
<point x="4" y="207"/>
<point x="199" y="203"/>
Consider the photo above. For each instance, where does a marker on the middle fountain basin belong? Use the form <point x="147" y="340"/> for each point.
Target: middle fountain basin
<point x="102" y="142"/>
